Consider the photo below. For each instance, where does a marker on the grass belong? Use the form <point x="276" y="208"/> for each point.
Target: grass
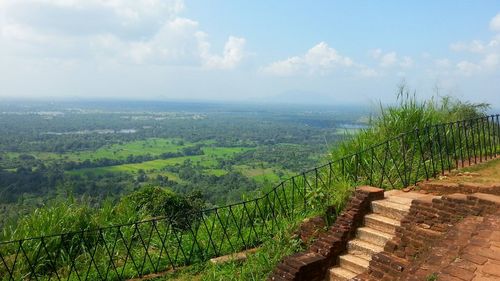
<point x="245" y="226"/>
<point x="407" y="115"/>
<point x="208" y="161"/>
<point x="152" y="146"/>
<point x="149" y="166"/>
<point x="263" y="175"/>
<point x="257" y="266"/>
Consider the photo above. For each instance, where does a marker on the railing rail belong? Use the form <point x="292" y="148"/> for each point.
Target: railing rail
<point x="161" y="244"/>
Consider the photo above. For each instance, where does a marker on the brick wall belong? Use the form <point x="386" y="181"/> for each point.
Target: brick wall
<point x="310" y="229"/>
<point x="423" y="226"/>
<point x="313" y="263"/>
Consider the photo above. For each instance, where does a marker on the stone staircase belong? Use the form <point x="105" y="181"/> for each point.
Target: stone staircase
<point x="378" y="227"/>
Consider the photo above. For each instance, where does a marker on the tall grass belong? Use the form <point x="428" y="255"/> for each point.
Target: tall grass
<point x="409" y="113"/>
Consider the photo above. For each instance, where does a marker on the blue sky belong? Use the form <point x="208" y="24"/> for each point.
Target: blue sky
<point x="263" y="51"/>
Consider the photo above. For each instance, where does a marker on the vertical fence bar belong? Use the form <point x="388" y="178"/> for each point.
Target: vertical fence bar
<point x="433" y="164"/>
<point x="485" y="145"/>
<point x="479" y="142"/>
<point x="422" y="156"/>
<point x="403" y="153"/>
<point x="436" y="128"/>
<point x="316" y="178"/>
<point x="447" y="150"/>
<point x="371" y="165"/>
<point x="293" y="197"/>
<point x="497" y="135"/>
<point x="455" y="156"/>
<point x="467" y="149"/>
<point x="490" y="143"/>
<point x="473" y="138"/>
<point x="305" y="192"/>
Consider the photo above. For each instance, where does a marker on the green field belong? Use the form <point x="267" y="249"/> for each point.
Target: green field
<point x="208" y="161"/>
<point x="152" y="146"/>
<point x="261" y="172"/>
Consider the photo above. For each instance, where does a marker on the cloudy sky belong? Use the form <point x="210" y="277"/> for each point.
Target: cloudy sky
<point x="305" y="51"/>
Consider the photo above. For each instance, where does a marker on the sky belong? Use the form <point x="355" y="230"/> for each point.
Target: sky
<point x="249" y="51"/>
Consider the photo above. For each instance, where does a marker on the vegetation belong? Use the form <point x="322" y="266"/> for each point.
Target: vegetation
<point x="97" y="154"/>
<point x="163" y="209"/>
<point x="257" y="265"/>
<point x="408" y="114"/>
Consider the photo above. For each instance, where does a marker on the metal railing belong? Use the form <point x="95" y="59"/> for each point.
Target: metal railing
<point x="158" y="245"/>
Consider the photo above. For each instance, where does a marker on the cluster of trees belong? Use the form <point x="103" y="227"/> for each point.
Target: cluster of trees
<point x="291" y="157"/>
<point x="40" y="182"/>
<point x="222" y="189"/>
<point x="104" y="162"/>
<point x="77" y="132"/>
<point x="26" y="177"/>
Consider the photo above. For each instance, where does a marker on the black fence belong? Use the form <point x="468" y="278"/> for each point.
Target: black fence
<point x="161" y="244"/>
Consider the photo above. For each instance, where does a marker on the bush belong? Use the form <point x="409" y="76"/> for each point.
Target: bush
<point x="159" y="202"/>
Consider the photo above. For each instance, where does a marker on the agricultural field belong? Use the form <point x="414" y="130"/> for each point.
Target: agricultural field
<point x="219" y="153"/>
<point x="208" y="162"/>
<point x="152" y="146"/>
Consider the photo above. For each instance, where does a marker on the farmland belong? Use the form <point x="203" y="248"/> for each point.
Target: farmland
<point x="98" y="152"/>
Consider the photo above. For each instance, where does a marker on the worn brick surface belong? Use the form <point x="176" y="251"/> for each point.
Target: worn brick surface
<point x="314" y="262"/>
<point x="453" y="236"/>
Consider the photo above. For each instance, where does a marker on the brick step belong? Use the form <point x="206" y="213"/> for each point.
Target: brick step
<point x="354" y="263"/>
<point x="360" y="247"/>
<point x="400" y="200"/>
<point x="381" y="223"/>
<point x="373" y="236"/>
<point x="390" y="209"/>
<point x="340" y="274"/>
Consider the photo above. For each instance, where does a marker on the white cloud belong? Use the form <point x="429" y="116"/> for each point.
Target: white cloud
<point x="376" y="53"/>
<point x="484" y="55"/>
<point x="323" y="56"/>
<point x="287" y="67"/>
<point x="474" y="46"/>
<point x="495" y="23"/>
<point x="491" y="60"/>
<point x="368" y="72"/>
<point x="467" y="68"/>
<point x="391" y="59"/>
<point x="388" y="59"/>
<point x="425" y="55"/>
<point x="233" y="53"/>
<point x="406" y="62"/>
<point x="127" y="31"/>
<point x="22" y="33"/>
<point x="319" y="59"/>
<point x="479" y="46"/>
<point x="442" y="63"/>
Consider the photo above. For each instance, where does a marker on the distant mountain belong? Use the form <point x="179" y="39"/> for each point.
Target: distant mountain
<point x="304" y="97"/>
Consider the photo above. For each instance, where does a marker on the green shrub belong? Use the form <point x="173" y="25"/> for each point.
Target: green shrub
<point x="159" y="202"/>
